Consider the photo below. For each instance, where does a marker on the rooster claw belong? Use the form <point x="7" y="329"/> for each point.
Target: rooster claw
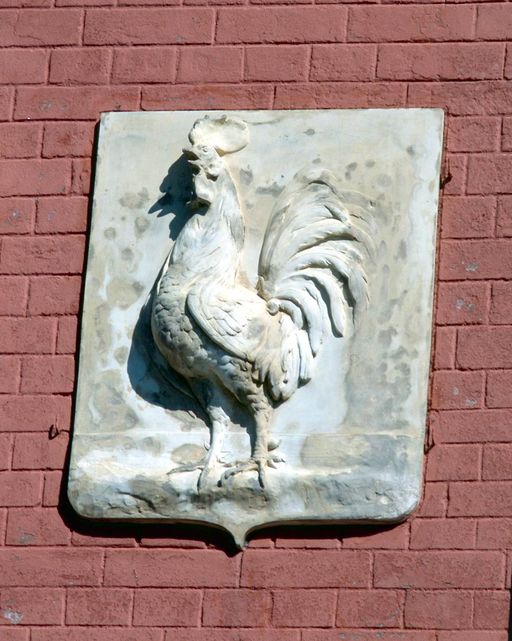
<point x="252" y="465"/>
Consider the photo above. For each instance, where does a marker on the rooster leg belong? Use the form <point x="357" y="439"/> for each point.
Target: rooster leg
<point x="261" y="458"/>
<point x="213" y="401"/>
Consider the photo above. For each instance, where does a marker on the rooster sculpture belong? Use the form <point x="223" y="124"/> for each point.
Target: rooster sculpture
<point x="254" y="343"/>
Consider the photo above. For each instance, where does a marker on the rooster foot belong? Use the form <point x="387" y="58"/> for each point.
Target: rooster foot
<point x="205" y="477"/>
<point x="254" y="464"/>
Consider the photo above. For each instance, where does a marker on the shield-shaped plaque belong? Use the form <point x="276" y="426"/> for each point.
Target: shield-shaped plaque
<point x="255" y="338"/>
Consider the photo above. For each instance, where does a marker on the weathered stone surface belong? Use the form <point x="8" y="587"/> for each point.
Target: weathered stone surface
<point x="352" y="437"/>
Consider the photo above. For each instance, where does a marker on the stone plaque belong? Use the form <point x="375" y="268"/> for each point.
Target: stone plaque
<point x="255" y="338"/>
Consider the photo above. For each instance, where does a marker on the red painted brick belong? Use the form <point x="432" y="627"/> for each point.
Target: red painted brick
<point x="38" y="452"/>
<point x="51" y="490"/>
<point x="54" y="295"/>
<point x="19" y="413"/>
<point x="506" y="137"/>
<point x="70" y="103"/>
<point x="66" y="335"/>
<point x="439" y="569"/>
<point x="455" y="169"/>
<point x="29" y="606"/>
<point x="50" y="374"/>
<point x="32" y="26"/>
<point x="395" y="537"/>
<point x="57" y="567"/>
<point x="444" y="352"/>
<point x="15" y="634"/>
<point x="48" y="255"/>
<point x="492" y="610"/>
<point x="499" y="385"/>
<point x="504" y="216"/>
<point x="27" y="335"/>
<point x="172" y="542"/>
<point x="236" y="608"/>
<point x="89" y="66"/>
<point x="488" y="173"/>
<point x="462" y="303"/>
<point x="343" y="62"/>
<point x="81" y="181"/>
<point x="474" y="133"/>
<point x="497" y="461"/>
<point x="378" y="634"/>
<point x="446" y="61"/>
<point x="501" y="304"/>
<point x="226" y="634"/>
<point x="19" y="489"/>
<point x="281" y="24"/>
<point x="458" y="390"/>
<point x="315" y="542"/>
<point x="494" y="534"/>
<point x="20" y="139"/>
<point x="34" y="177"/>
<point x="109" y="606"/>
<point x="443" y="534"/>
<point x="207" y="97"/>
<point x="61" y="214"/>
<point x="473" y="426"/>
<point x="277" y="62"/>
<point x="434" y="500"/>
<point x="167" y="607"/>
<point x="10" y="367"/>
<point x="454" y="463"/>
<point x="144" y="64"/>
<point x="200" y="64"/>
<point x="481" y="499"/>
<point x="171" y="568"/>
<point x="469" y="635"/>
<point x="36" y="526"/>
<point x="468" y="216"/>
<point x="484" y="98"/>
<point x="348" y="95"/>
<point x="88" y="540"/>
<point x="6" y="441"/>
<point x="479" y="348"/>
<point x="303" y="608"/>
<point x="23" y="66"/>
<point x="446" y="609"/>
<point x="494" y="22"/>
<point x="369" y="609"/>
<point x="475" y="259"/>
<point x="14" y="297"/>
<point x="84" y="3"/>
<point x="68" y="139"/>
<point x="6" y="102"/>
<point x="149" y="26"/>
<point x="76" y="633"/>
<point x="401" y="23"/>
<point x="305" y="569"/>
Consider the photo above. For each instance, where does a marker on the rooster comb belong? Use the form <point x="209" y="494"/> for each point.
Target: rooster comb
<point x="226" y="135"/>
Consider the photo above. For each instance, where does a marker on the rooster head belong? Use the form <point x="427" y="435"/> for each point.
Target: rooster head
<point x="212" y="138"/>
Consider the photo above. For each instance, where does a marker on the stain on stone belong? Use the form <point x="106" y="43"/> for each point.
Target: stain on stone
<point x="246" y="176"/>
<point x="12" y="616"/>
<point x="309" y="132"/>
<point x="411" y="151"/>
<point x="188" y="454"/>
<point x="317" y="161"/>
<point x="472" y="267"/>
<point x="132" y="200"/>
<point x="127" y="254"/>
<point x="141" y="224"/>
<point x="352" y="166"/>
<point x="384" y="181"/>
<point x="121" y="355"/>
<point x="370" y="163"/>
<point x="109" y="406"/>
<point x="123" y="293"/>
<point x="110" y="233"/>
<point x="273" y="189"/>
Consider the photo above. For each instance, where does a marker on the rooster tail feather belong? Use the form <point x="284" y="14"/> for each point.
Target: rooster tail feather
<point x="311" y="269"/>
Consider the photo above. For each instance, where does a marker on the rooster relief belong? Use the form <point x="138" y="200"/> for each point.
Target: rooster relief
<point x="256" y="344"/>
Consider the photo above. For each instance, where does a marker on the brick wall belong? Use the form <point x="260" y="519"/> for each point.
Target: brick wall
<point x="442" y="576"/>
